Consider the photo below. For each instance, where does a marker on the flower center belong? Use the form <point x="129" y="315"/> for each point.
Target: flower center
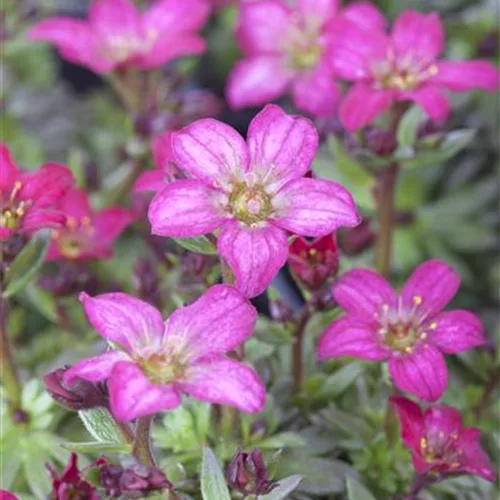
<point x="441" y="448"/>
<point x="163" y="369"/>
<point x="250" y="204"/>
<point x="13" y="210"/>
<point x="119" y="48"/>
<point x="74" y="238"/>
<point x="304" y="46"/>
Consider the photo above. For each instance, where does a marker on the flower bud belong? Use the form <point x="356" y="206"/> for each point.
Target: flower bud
<point x="312" y="263"/>
<point x="147" y="282"/>
<point x="357" y="239"/>
<point x="81" y="395"/>
<point x="248" y="474"/>
<point x="381" y="142"/>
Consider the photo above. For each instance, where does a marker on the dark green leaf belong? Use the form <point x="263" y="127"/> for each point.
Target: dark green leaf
<point x="98" y="447"/>
<point x="409" y="125"/>
<point x="213" y="484"/>
<point x="356" y="491"/>
<point x="201" y="244"/>
<point x="101" y="426"/>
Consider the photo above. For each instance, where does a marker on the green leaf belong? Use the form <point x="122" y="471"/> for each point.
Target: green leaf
<point x="201" y="244"/>
<point x="285" y="487"/>
<point x="101" y="426"/>
<point x="356" y="491"/>
<point x="213" y="484"/>
<point x="283" y="440"/>
<point x="409" y="125"/>
<point x="99" y="447"/>
<point x="339" y="381"/>
<point x="26" y="264"/>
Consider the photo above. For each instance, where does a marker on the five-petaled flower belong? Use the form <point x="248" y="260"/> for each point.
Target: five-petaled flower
<point x="439" y="444"/>
<point x="254" y="193"/>
<point x="402" y="66"/>
<point x="28" y="199"/>
<point x="86" y="235"/>
<point x="155" y="361"/>
<point x="117" y="35"/>
<point x="409" y="331"/>
<point x="286" y="51"/>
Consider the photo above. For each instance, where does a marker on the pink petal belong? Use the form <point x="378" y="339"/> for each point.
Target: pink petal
<point x="150" y="181"/>
<point x="132" y="395"/>
<point x="355" y="50"/>
<point x="431" y="99"/>
<point x="282" y="147"/>
<point x="163" y="155"/>
<point x="461" y="76"/>
<point x="411" y="421"/>
<point x="313" y="207"/>
<point x="254" y="255"/>
<point x="221" y="380"/>
<point x="8" y="170"/>
<point x="362" y="104"/>
<point x="111" y="18"/>
<point x="76" y="204"/>
<point x="167" y="48"/>
<point x="263" y="26"/>
<point x="364" y="15"/>
<point x="348" y="336"/>
<point x="35" y="220"/>
<point x="110" y="223"/>
<point x="210" y="150"/>
<point x="418" y="37"/>
<point x="217" y="322"/>
<point x="184" y="209"/>
<point x="430" y="287"/>
<point x="318" y="12"/>
<point x="95" y="369"/>
<point x="124" y="320"/>
<point x="423" y="374"/>
<point x="474" y="459"/>
<point x="455" y="331"/>
<point x="316" y="92"/>
<point x="257" y="80"/>
<point x="439" y="420"/>
<point x="363" y="293"/>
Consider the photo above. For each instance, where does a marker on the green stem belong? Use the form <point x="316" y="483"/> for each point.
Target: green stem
<point x="142" y="443"/>
<point x="297" y="348"/>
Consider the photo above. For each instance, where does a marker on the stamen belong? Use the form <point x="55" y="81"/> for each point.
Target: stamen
<point x="417" y="300"/>
<point x="423" y="443"/>
<point x="433" y="326"/>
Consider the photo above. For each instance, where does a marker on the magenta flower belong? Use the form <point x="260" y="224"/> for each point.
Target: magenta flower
<point x="117" y="35"/>
<point x="7" y="495"/>
<point x="409" y="331"/>
<point x="28" y="199"/>
<point x="86" y="234"/>
<point x="254" y="193"/>
<point x="285" y="51"/>
<point x="402" y="66"/>
<point x="439" y="444"/>
<point x="156" y="361"/>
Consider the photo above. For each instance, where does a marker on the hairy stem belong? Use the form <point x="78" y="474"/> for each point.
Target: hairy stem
<point x="298" y="342"/>
<point x="142" y="443"/>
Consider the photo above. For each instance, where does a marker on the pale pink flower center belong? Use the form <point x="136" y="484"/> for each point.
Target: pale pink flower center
<point x="75" y="238"/>
<point x="249" y="202"/>
<point x="120" y="48"/>
<point x="304" y="45"/>
<point x="441" y="448"/>
<point x="13" y="209"/>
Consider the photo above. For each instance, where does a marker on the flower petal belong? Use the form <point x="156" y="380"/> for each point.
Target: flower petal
<point x="362" y="104"/>
<point x="210" y="150"/>
<point x="124" y="320"/>
<point x="150" y="181"/>
<point x="217" y="322"/>
<point x="363" y="293"/>
<point x="167" y="48"/>
<point x="411" y="421"/>
<point x="76" y="204"/>
<point x="132" y="395"/>
<point x="456" y="331"/>
<point x="256" y="81"/>
<point x="431" y="99"/>
<point x="95" y="369"/>
<point x="316" y="92"/>
<point x="254" y="255"/>
<point x="474" y="458"/>
<point x="461" y="76"/>
<point x="8" y="169"/>
<point x="420" y="36"/>
<point x="263" y="26"/>
<point x="282" y="147"/>
<point x="313" y="207"/>
<point x="318" y="12"/>
<point x="364" y="15"/>
<point x="439" y="420"/>
<point x="221" y="380"/>
<point x="184" y="209"/>
<point x="430" y="287"/>
<point x="110" y="223"/>
<point x="114" y="18"/>
<point x="348" y="336"/>
<point x="423" y="374"/>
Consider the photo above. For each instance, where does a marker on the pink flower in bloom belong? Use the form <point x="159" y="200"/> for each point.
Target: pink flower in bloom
<point x="86" y="235"/>
<point x="156" y="361"/>
<point x="117" y="35"/>
<point x="285" y="51"/>
<point x="7" y="495"/>
<point x="402" y="66"/>
<point x="28" y="199"/>
<point x="409" y="331"/>
<point x="438" y="442"/>
<point x="253" y="192"/>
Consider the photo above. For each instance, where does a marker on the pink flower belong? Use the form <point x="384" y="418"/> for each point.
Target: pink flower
<point x="156" y="361"/>
<point x="438" y="442"/>
<point x="285" y="51"/>
<point x="254" y="193"/>
<point x="402" y="66"/>
<point x="86" y="234"/>
<point x="409" y="331"/>
<point x="28" y="199"/>
<point x="7" y="495"/>
<point x="117" y="35"/>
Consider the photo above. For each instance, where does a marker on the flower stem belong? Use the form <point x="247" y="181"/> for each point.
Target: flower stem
<point x="297" y="355"/>
<point x="142" y="444"/>
<point x="419" y="483"/>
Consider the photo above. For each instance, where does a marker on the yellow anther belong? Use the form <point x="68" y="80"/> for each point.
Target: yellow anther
<point x="433" y="70"/>
<point x="423" y="443"/>
<point x="7" y="214"/>
<point x="408" y="350"/>
<point x="71" y="222"/>
<point x="417" y="300"/>
<point x="312" y="252"/>
<point x="423" y="335"/>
